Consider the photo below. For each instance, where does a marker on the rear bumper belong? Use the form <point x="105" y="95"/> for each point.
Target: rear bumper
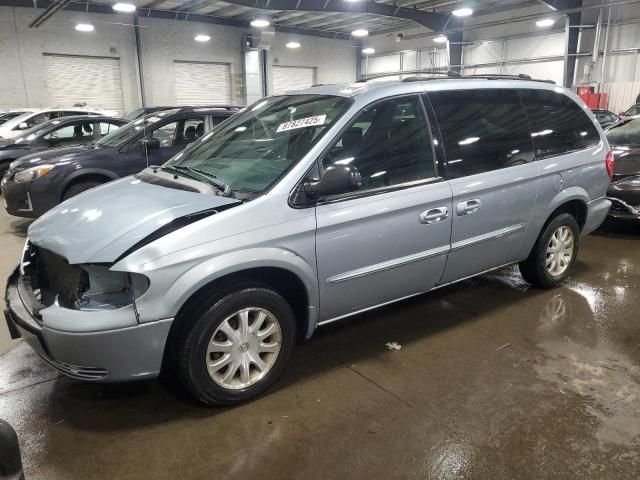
<point x="622" y="210"/>
<point x="597" y="211"/>
<point x="106" y="356"/>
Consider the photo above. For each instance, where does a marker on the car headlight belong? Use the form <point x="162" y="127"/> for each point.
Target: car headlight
<point x="32" y="173"/>
<point x="102" y="289"/>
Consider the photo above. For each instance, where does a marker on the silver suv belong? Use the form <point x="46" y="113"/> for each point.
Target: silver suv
<point x="301" y="210"/>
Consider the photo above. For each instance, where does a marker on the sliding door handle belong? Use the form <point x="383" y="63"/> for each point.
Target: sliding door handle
<point x="434" y="215"/>
<point x="468" y="207"/>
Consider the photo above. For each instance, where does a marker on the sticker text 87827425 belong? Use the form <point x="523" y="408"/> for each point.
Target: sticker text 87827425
<point x="302" y="123"/>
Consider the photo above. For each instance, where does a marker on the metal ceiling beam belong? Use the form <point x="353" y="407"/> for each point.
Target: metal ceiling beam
<point x="433" y="21"/>
<point x="192" y="5"/>
<point x="48" y="13"/>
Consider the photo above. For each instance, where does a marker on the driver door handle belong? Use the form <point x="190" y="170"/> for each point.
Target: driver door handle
<point x="469" y="207"/>
<point x="434" y="215"/>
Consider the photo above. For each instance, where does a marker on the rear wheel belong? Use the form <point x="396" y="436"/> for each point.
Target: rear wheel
<point x="236" y="347"/>
<point x="78" y="188"/>
<point x="554" y="254"/>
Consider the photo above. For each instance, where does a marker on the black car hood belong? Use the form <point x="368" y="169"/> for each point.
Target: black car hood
<point x="627" y="160"/>
<point x="55" y="155"/>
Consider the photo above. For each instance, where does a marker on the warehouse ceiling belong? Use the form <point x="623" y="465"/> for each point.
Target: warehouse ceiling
<point x="315" y="17"/>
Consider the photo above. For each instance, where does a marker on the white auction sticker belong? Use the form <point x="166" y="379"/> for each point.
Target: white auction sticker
<point x="302" y="123"/>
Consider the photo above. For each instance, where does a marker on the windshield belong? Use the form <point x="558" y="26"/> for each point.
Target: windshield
<point x="626" y="133"/>
<point x="255" y="147"/>
<point x="116" y="137"/>
<point x="134" y="114"/>
<point x="5" y="117"/>
<point x="31" y="133"/>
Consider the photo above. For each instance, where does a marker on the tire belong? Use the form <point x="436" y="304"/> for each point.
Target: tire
<point x="209" y="323"/>
<point x="4" y="167"/>
<point x="536" y="269"/>
<point x="78" y="188"/>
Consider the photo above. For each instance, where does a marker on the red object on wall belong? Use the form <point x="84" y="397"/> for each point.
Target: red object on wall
<point x="583" y="90"/>
<point x="594" y="100"/>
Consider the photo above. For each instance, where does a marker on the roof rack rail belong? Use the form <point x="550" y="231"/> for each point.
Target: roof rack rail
<point x="446" y="73"/>
<point x="504" y="76"/>
<point x="226" y="107"/>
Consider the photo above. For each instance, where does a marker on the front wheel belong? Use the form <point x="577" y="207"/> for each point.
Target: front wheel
<point x="554" y="254"/>
<point x="237" y="347"/>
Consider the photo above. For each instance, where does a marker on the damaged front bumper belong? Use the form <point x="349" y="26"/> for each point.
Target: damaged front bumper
<point x="79" y="344"/>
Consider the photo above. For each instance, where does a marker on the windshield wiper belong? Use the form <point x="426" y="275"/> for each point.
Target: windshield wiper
<point x="209" y="177"/>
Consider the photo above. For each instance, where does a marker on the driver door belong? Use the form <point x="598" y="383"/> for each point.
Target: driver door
<point x="390" y="238"/>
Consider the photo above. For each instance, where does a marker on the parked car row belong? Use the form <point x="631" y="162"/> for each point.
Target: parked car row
<point x="301" y="210"/>
<point x="36" y="182"/>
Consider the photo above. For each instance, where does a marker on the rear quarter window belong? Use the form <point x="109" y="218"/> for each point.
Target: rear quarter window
<point x="482" y="130"/>
<point x="558" y="124"/>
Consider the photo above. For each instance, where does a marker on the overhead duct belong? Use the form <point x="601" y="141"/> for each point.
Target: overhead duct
<point x="262" y="39"/>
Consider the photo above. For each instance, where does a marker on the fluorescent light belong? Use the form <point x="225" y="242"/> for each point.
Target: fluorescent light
<point x="361" y="32"/>
<point x="260" y="22"/>
<point x="545" y="22"/>
<point x="124" y="7"/>
<point x="468" y="141"/>
<point x="293" y="44"/>
<point x="440" y="39"/>
<point x="462" y="12"/>
<point x="202" y="38"/>
<point x="368" y="51"/>
<point x="84" y="27"/>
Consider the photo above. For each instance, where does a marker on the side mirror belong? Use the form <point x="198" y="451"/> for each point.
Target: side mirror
<point x="150" y="144"/>
<point x="23" y="126"/>
<point x="335" y="180"/>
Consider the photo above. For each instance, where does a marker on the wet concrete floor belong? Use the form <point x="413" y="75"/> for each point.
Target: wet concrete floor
<point x="494" y="380"/>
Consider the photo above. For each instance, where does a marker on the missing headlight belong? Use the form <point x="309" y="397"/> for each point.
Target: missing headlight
<point x="109" y="290"/>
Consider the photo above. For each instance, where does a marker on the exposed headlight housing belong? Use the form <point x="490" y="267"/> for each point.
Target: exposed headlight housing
<point x="32" y="173"/>
<point x="105" y="289"/>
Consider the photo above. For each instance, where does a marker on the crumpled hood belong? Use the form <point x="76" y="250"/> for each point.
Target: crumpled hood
<point x="101" y="224"/>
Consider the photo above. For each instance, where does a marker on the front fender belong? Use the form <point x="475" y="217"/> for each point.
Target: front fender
<point x="165" y="300"/>
<point x="83" y="172"/>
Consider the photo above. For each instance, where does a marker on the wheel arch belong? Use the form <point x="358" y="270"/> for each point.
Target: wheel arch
<point x="83" y="175"/>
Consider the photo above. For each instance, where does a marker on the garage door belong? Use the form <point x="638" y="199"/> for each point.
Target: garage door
<point x="202" y="83"/>
<point x="73" y="79"/>
<point x="292" y="78"/>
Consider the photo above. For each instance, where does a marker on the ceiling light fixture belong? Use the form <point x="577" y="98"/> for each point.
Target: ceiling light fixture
<point x="361" y="32"/>
<point x="462" y="12"/>
<point x="260" y="22"/>
<point x="293" y="44"/>
<point x="124" y="7"/>
<point x="440" y="39"/>
<point x="202" y="38"/>
<point x="84" y="27"/>
<point x="545" y="22"/>
<point x="368" y="51"/>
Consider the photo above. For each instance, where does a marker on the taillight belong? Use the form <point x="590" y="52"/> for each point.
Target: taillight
<point x="610" y="162"/>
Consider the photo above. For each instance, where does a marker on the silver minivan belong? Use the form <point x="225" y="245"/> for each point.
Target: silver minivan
<point x="301" y="210"/>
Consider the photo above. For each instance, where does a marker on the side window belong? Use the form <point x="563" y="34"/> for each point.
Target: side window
<point x="482" y="130"/>
<point x="635" y="110"/>
<point x="189" y="130"/>
<point x="106" y="128"/>
<point x="36" y="120"/>
<point x="180" y="132"/>
<point x="75" y="132"/>
<point x="388" y="143"/>
<point x="558" y="124"/>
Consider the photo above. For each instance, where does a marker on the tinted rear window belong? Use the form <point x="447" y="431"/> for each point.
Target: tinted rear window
<point x="482" y="130"/>
<point x="558" y="124"/>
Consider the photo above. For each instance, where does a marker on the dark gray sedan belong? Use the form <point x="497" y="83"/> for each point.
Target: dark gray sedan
<point x="57" y="133"/>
